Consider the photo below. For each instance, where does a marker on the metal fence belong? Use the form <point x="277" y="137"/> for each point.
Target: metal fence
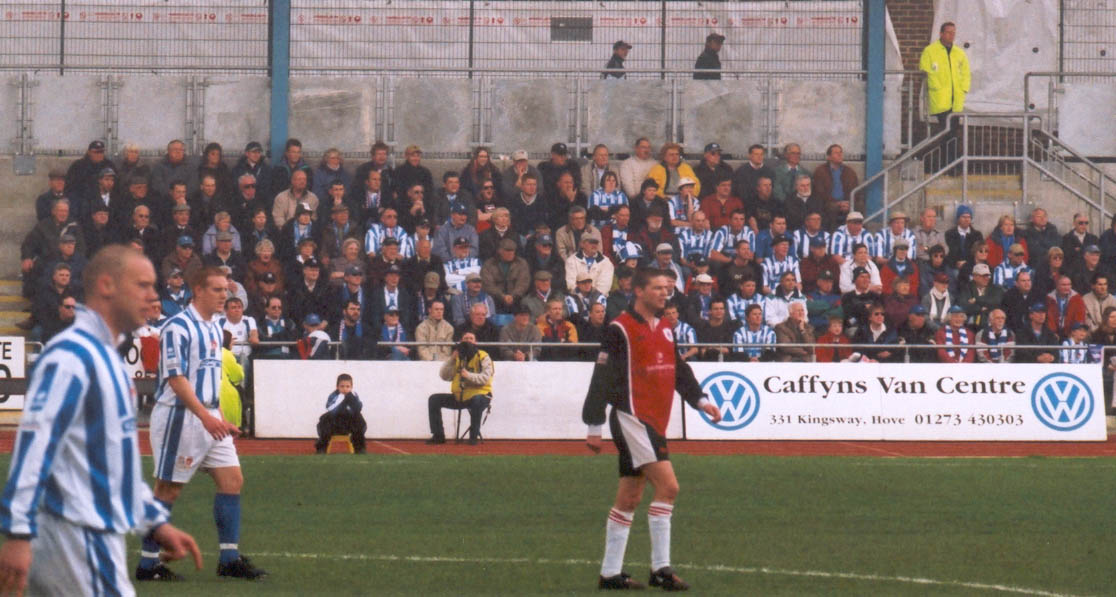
<point x="1088" y="36"/>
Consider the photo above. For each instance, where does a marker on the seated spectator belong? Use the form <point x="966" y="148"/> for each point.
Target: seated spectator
<point x="681" y="207"/>
<point x="40" y="246"/>
<point x="994" y="342"/>
<point x="479" y="325"/>
<point x="898" y="266"/>
<point x="722" y="251"/>
<point x="235" y="289"/>
<point x="310" y="294"/>
<point x="929" y="269"/>
<point x="777" y="305"/>
<point x="664" y="260"/>
<point x="259" y="228"/>
<point x="314" y="343"/>
<point x="1064" y="307"/>
<point x="764" y="245"/>
<point x="979" y="257"/>
<point x="953" y="336"/>
<point x="470" y="371"/>
<point x="843" y="242"/>
<point x="743" y="265"/>
<point x="499" y="231"/>
<point x="488" y="201"/>
<point x="763" y="207"/>
<point x="245" y="334"/>
<point x="711" y="169"/>
<point x="342" y="417"/>
<point x="592" y="330"/>
<point x="1076" y="351"/>
<point x="56" y="185"/>
<point x="1049" y="270"/>
<point x="739" y="302"/>
<point x="815" y="262"/>
<point x="754" y="341"/>
<point x="264" y="263"/>
<point x="431" y="291"/>
<point x="899" y="303"/>
<point x="876" y="331"/>
<point x="590" y="260"/>
<point x="1019" y="299"/>
<point x="512" y="178"/>
<point x="799" y="202"/>
<point x="352" y="289"/>
<point x="479" y="169"/>
<point x="823" y="303"/>
<point x="452" y="195"/>
<point x="357" y="339"/>
<point x="720" y="204"/>
<point x="348" y="260"/>
<point x="295" y="232"/>
<point x="434" y="328"/>
<point x="683" y="333"/>
<point x="274" y="327"/>
<point x="622" y="296"/>
<point x="528" y="207"/>
<point x="719" y="329"/>
<point x="1097" y="301"/>
<point x="370" y="196"/>
<point x="1090" y="265"/>
<point x="860" y="260"/>
<point x="670" y="170"/>
<point x="979" y="296"/>
<point x="698" y="266"/>
<point x="568" y="238"/>
<point x="563" y="199"/>
<point x="634" y="169"/>
<point x="808" y="235"/>
<point x="285" y="203"/>
<point x="1014" y="262"/>
<point x="543" y="257"/>
<point x="1002" y="239"/>
<point x="390" y="295"/>
<point x="96" y="232"/>
<point x="858" y="303"/>
<point x="222" y="222"/>
<point x="175" y="295"/>
<point x="630" y="256"/>
<point x="883" y="246"/>
<point x="541" y="294"/>
<point x="617" y="232"/>
<point x="387" y="229"/>
<point x="462" y="303"/>
<point x="224" y="255"/>
<point x="834" y="181"/>
<point x="141" y="229"/>
<point x="592" y="173"/>
<point x="653" y="232"/>
<point x="938" y="301"/>
<point x="961" y="238"/>
<point x="580" y="301"/>
<point x="915" y="330"/>
<point x="605" y="199"/>
<point x="66" y="253"/>
<point x="337" y="230"/>
<point x="795" y="330"/>
<point x="1041" y="235"/>
<point x="779" y="263"/>
<point x="521" y="329"/>
<point x="829" y="344"/>
<point x="555" y="329"/>
<point x="461" y="264"/>
<point x="695" y="241"/>
<point x="1036" y="333"/>
<point x="448" y="234"/>
<point x="1075" y="241"/>
<point x="307" y="251"/>
<point x="393" y="331"/>
<point x="65" y="309"/>
<point x="675" y="296"/>
<point x="425" y="262"/>
<point x="266" y="287"/>
<point x="700" y="299"/>
<point x="506" y="277"/>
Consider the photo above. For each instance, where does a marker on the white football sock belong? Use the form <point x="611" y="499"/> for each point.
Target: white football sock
<point x="658" y="520"/>
<point x="616" y="541"/>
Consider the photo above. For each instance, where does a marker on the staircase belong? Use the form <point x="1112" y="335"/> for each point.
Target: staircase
<point x="13" y="308"/>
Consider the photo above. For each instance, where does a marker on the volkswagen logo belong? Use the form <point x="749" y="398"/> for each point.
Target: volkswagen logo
<point x="737" y="398"/>
<point x="1062" y="401"/>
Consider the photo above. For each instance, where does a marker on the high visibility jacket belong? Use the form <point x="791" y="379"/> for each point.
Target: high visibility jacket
<point x="947" y="76"/>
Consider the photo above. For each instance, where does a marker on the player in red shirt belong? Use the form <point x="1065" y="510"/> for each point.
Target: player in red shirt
<point x="637" y="373"/>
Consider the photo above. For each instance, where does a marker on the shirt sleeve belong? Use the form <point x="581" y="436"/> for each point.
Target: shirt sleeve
<point x="174" y="347"/>
<point x="608" y="375"/>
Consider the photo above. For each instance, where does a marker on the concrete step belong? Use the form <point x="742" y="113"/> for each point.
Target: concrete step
<point x="979" y="182"/>
<point x="11" y="288"/>
<point x="936" y="195"/>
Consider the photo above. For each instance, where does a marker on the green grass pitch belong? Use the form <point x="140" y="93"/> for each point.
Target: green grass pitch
<point x="744" y="525"/>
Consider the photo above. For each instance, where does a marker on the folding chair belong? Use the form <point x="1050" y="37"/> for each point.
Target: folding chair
<point x="459" y="434"/>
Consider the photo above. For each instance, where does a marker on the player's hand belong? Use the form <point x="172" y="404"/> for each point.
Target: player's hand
<point x="15" y="561"/>
<point x="176" y="545"/>
<point x="712" y="411"/>
<point x="593" y="442"/>
<point x="219" y="428"/>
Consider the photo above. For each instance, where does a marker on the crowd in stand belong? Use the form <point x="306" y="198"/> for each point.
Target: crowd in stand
<point x="764" y="257"/>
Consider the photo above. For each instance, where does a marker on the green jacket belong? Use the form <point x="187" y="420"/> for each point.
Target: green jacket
<point x="947" y="77"/>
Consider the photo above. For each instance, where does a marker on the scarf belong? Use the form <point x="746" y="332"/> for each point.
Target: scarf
<point x="963" y="339"/>
<point x="996" y="339"/>
<point x="939" y="304"/>
<point x="901" y="269"/>
<point x="1077" y="354"/>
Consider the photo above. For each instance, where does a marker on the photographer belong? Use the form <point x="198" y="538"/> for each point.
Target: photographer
<point x="469" y="369"/>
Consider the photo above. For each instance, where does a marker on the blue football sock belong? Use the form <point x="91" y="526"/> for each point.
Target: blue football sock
<point x="226" y="512"/>
<point x="149" y="553"/>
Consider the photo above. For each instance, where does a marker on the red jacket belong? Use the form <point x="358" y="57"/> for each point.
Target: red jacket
<point x="718" y="214"/>
<point x="960" y="355"/>
<point x="888" y="275"/>
<point x="1075" y="313"/>
<point x="997" y="252"/>
<point x="832" y="355"/>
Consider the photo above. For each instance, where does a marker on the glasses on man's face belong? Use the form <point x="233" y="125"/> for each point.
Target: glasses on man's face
<point x="1081" y="223"/>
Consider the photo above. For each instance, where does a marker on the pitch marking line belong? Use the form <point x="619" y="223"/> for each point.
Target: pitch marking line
<point x="391" y="447"/>
<point x="704" y="567"/>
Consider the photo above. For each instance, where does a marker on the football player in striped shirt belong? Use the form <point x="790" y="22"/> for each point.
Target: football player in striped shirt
<point x="76" y="484"/>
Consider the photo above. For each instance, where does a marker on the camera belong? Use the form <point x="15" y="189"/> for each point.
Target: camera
<point x="466" y="351"/>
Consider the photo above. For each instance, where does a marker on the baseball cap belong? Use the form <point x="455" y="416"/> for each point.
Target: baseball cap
<point x="393" y="269"/>
<point x="664" y="248"/>
<point x="412" y="149"/>
<point x="1038" y="307"/>
<point x="559" y="149"/>
<point x="253" y="146"/>
<point x="268" y="278"/>
<point x="312" y="262"/>
<point x="508" y="245"/>
<point x="106" y="172"/>
<point x="461" y="240"/>
<point x="697" y="260"/>
<point x="545" y="240"/>
<point x="714" y="37"/>
<point x="703" y="279"/>
<point x="312" y="319"/>
<point x="543" y="274"/>
<point x="981" y="269"/>
<point x="686" y="180"/>
<point x="181" y="207"/>
<point x="1078" y="326"/>
<point x="621" y="44"/>
<point x="854" y="216"/>
<point x="591" y="236"/>
<point x="956" y="309"/>
<point x="825" y="275"/>
<point x="353" y="270"/>
<point x="860" y="271"/>
<point x="303" y="208"/>
<point x="224" y="235"/>
<point x="174" y="271"/>
<point x="817" y="241"/>
<point x="712" y="147"/>
<point x="583" y="276"/>
<point x="459" y="208"/>
<point x="186" y="241"/>
<point x="519" y="154"/>
<point x="918" y="310"/>
<point x="1092" y="249"/>
<point x="67" y="238"/>
<point x="473" y="277"/>
<point x="431" y="280"/>
<point x="96" y="146"/>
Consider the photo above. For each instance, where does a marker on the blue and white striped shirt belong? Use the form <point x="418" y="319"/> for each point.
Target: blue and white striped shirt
<point x="745" y="340"/>
<point x="882" y="243"/>
<point x="737" y="305"/>
<point x="619" y="240"/>
<point x="724" y="240"/>
<point x="457" y="269"/>
<point x="1074" y="353"/>
<point x="604" y="200"/>
<point x="774" y="269"/>
<point x="76" y="454"/>
<point x="374" y="239"/>
<point x="684" y="334"/>
<point x="1005" y="273"/>
<point x="801" y="241"/>
<point x="842" y="241"/>
<point x="190" y="346"/>
<point x="691" y="241"/>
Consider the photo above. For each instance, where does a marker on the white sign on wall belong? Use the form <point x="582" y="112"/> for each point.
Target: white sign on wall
<point x="13" y="362"/>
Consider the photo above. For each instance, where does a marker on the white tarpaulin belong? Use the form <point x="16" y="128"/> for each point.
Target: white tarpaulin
<point x="1004" y="40"/>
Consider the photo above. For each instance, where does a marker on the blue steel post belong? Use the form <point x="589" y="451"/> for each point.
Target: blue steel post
<point x="874" y="108"/>
<point x="280" y="69"/>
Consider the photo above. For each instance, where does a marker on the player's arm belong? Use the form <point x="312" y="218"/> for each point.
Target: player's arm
<point x="608" y="375"/>
<point x="174" y="350"/>
<point x="688" y="387"/>
<point x="215" y="426"/>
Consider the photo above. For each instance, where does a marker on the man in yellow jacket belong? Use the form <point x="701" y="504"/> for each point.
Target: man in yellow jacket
<point x="947" y="74"/>
<point x="470" y="370"/>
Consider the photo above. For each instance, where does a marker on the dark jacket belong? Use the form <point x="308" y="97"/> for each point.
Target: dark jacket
<point x="1040" y="242"/>
<point x="956" y="250"/>
<point x="708" y="60"/>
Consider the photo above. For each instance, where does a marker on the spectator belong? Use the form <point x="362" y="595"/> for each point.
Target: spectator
<point x="860" y="260"/>
<point x="696" y="241"/>
<point x="898" y="266"/>
<point x="175" y="295"/>
<point x="788" y="171"/>
<point x="620" y="51"/>
<point x="711" y="169"/>
<point x="1041" y="236"/>
<point x="1089" y="266"/>
<point x="590" y="260"/>
<point x="559" y="162"/>
<point x="500" y="230"/>
<point x="314" y="343"/>
<point x="424" y="263"/>
<point x="387" y="294"/>
<point x="633" y="170"/>
<point x="1002" y="239"/>
<point x="282" y="176"/>
<point x="274" y="328"/>
<point x="1036" y="333"/>
<point x="1019" y="299"/>
<point x="834" y="181"/>
<point x="1047" y="272"/>
<point x="568" y="237"/>
<point x="253" y="162"/>
<point x="670" y="171"/>
<point x="914" y="331"/>
<point x="953" y="335"/>
<point x="721" y="204"/>
<point x="565" y="199"/>
<point x="828" y="349"/>
<point x="310" y="295"/>
<point x="683" y="333"/>
<point x="506" y="277"/>
<point x="779" y="263"/>
<point x="847" y="236"/>
<point x="450" y="196"/>
<point x="391" y="331"/>
<point x="45" y="311"/>
<point x="541" y="294"/>
<point x="224" y="255"/>
<point x="719" y="329"/>
<point x="545" y="258"/>
<point x="754" y="341"/>
<point x="580" y="300"/>
<point x="980" y="256"/>
<point x="723" y="251"/>
<point x="823" y="303"/>
<point x="479" y="325"/>
<point x="708" y="61"/>
<point x="927" y="235"/>
<point x="296" y="231"/>
<point x="810" y="232"/>
<point x="259" y="228"/>
<point x="430" y="291"/>
<point x="66" y="253"/>
<point x="520" y="330"/>
<point x="212" y="164"/>
<point x="898" y="303"/>
<point x="616" y="233"/>
<point x="65" y="312"/>
<point x="554" y="328"/>
<point x="1064" y="307"/>
<point x="182" y="258"/>
<point x="297" y="195"/>
<point x="40" y="246"/>
<point x="664" y="260"/>
<point x="654" y="232"/>
<point x="388" y="228"/>
<point x="929" y="269"/>
<point x="1097" y="301"/>
<point x="222" y="222"/>
<point x="82" y="175"/>
<point x="376" y="197"/>
<point x="528" y="208"/>
<point x="263" y="264"/>
<point x="938" y="301"/>
<point x="95" y="231"/>
<point x="883" y="245"/>
<point x="606" y="199"/>
<point x="474" y="293"/>
<point x="1105" y="336"/>
<point x="434" y="329"/>
<point x="762" y="204"/>
<point x="1004" y="275"/>
<point x="876" y="331"/>
<point x="1076" y="351"/>
<point x="331" y="169"/>
<point x="801" y="202"/>
<point x="995" y="340"/>
<point x="266" y="287"/>
<point x="979" y="296"/>
<point x="342" y="417"/>
<point x="332" y="198"/>
<point x="592" y="173"/>
<point x="738" y="303"/>
<point x="447" y="236"/>
<point x="350" y="289"/>
<point x="462" y="264"/>
<point x="243" y="202"/>
<point x="816" y="262"/>
<point x="591" y="330"/>
<point x="765" y="238"/>
<point x="512" y="180"/>
<point x="470" y="371"/>
<point x="242" y="328"/>
<point x="646" y="201"/>
<point x="784" y="293"/>
<point x="961" y="238"/>
<point x="337" y="234"/>
<point x="857" y="304"/>
<point x="700" y="300"/>
<point x="795" y="330"/>
<point x="369" y="197"/>
<point x="479" y="169"/>
<point x="681" y="207"/>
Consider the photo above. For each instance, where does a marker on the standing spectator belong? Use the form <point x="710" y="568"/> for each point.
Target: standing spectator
<point x="433" y="329"/>
<point x="379" y="164"/>
<point x="555" y="328"/>
<point x="1041" y="235"/>
<point x="511" y="182"/>
<point x="590" y="260"/>
<point x="754" y="341"/>
<point x="253" y="162"/>
<point x="996" y="340"/>
<point x="961" y="239"/>
<point x="1036" y="333"/>
<point x="834" y="181"/>
<point x="829" y="349"/>
<point x="81" y="176"/>
<point x="1064" y="307"/>
<point x="711" y="170"/>
<point x="275" y="328"/>
<point x="670" y="171"/>
<point x="876" y="331"/>
<point x="1097" y="301"/>
<point x="592" y="173"/>
<point x="915" y="330"/>
<point x="342" y="417"/>
<point x="450" y="196"/>
<point x="286" y="202"/>
<point x="788" y="171"/>
<point x="1002" y="239"/>
<point x="620" y="51"/>
<point x="479" y="169"/>
<point x="633" y="170"/>
<point x="506" y="277"/>
<point x="719" y="329"/>
<point x="329" y="170"/>
<point x="794" y="330"/>
<point x="708" y="60"/>
<point x="947" y="74"/>
<point x="520" y="330"/>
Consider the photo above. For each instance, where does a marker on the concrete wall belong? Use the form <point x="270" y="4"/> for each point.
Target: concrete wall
<point x="333" y="113"/>
<point x="530" y="114"/>
<point x="435" y="114"/>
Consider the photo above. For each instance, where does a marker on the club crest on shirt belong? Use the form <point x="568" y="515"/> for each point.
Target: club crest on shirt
<point x="183" y="462"/>
<point x="668" y="334"/>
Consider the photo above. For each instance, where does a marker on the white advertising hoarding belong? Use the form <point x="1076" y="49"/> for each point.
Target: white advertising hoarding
<point x="13" y="361"/>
